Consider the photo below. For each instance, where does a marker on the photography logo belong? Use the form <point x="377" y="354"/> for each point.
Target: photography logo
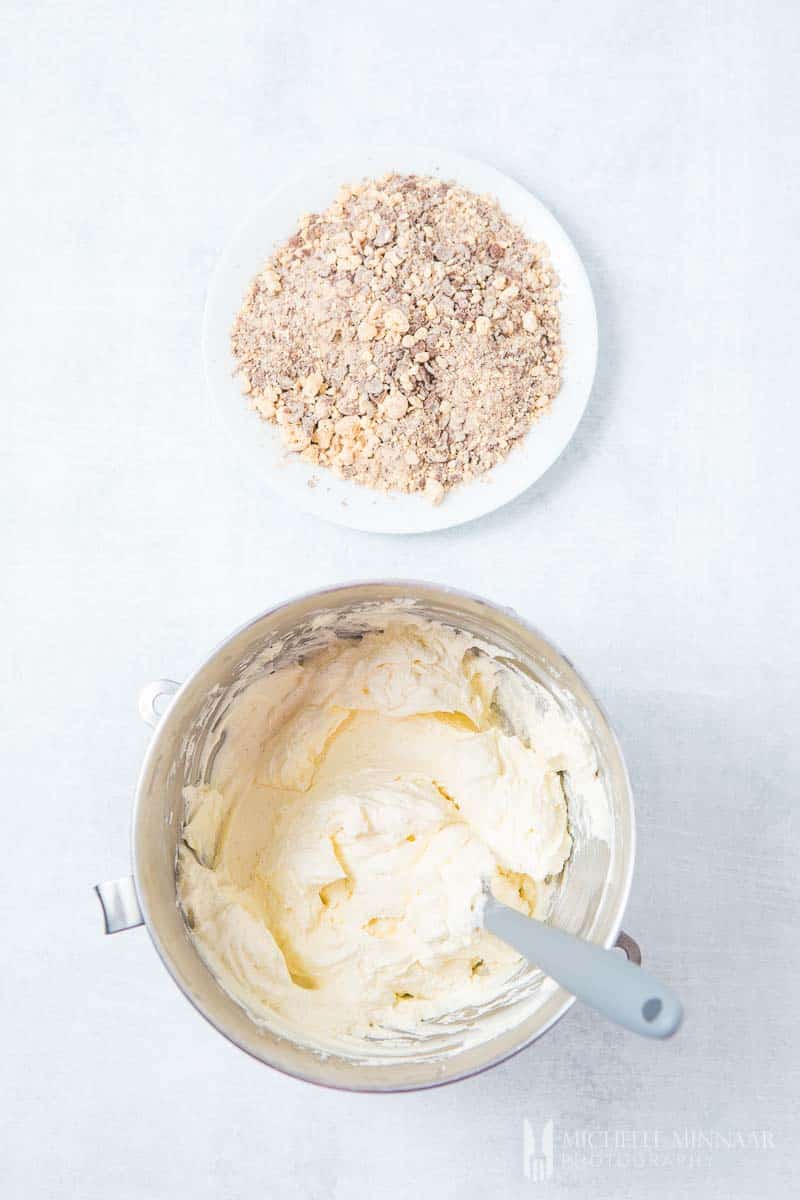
<point x="537" y="1152"/>
<point x="572" y="1153"/>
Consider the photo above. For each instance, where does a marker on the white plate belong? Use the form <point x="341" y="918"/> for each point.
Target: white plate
<point x="348" y="503"/>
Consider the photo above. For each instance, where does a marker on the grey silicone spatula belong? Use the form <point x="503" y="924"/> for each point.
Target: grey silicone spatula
<point x="604" y="980"/>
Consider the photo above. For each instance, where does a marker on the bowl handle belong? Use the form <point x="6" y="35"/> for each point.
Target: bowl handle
<point x="118" y="897"/>
<point x="149" y="709"/>
<point x="120" y="904"/>
<point x="629" y="948"/>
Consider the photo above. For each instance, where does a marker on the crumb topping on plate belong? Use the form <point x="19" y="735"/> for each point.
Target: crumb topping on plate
<point x="405" y="338"/>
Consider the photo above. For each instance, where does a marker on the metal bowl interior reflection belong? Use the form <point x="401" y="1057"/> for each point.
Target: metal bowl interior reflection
<point x="589" y="901"/>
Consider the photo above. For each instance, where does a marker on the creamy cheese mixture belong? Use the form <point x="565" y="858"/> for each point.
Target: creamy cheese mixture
<point x="332" y="872"/>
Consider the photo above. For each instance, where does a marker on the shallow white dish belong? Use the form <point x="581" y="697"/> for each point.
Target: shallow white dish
<point x="317" y="490"/>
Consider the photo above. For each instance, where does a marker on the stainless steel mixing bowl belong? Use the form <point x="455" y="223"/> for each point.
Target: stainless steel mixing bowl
<point x="591" y="896"/>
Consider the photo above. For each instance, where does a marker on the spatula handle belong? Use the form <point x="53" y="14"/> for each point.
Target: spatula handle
<point x="600" y="978"/>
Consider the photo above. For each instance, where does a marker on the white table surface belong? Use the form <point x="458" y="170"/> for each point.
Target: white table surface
<point x="660" y="552"/>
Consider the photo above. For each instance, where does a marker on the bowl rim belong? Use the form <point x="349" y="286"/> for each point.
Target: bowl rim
<point x="608" y="941"/>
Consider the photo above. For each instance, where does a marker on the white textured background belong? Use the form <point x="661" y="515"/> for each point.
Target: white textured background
<point x="660" y="552"/>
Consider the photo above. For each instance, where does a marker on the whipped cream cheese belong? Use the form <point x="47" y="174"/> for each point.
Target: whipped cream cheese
<point x="331" y="873"/>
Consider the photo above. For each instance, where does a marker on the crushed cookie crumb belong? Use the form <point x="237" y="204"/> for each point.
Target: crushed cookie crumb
<point x="406" y="338"/>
